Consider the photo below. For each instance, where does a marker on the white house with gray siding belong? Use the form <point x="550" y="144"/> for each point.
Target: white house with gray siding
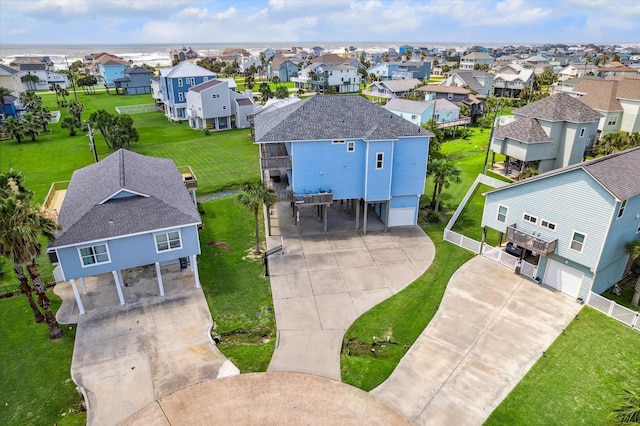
<point x="125" y="211"/>
<point x="576" y="221"/>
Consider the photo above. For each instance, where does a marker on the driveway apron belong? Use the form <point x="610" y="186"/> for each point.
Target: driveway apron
<point x="490" y="328"/>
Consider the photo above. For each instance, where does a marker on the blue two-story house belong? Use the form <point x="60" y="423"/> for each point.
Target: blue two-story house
<point x="125" y="211"/>
<point x="344" y="148"/>
<point x="110" y="68"/>
<point x="136" y="81"/>
<point x="175" y="83"/>
<point x="575" y="221"/>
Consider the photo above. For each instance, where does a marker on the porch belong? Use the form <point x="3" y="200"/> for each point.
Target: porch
<point x="530" y="241"/>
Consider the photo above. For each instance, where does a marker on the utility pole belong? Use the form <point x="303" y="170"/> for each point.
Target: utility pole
<point x="92" y="143"/>
<point x="71" y="77"/>
<point x="493" y="125"/>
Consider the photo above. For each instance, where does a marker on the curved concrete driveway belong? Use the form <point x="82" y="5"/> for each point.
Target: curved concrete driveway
<point x="490" y="328"/>
<point x="327" y="280"/>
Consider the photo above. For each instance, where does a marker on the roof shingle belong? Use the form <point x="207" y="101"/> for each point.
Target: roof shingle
<point x="559" y="107"/>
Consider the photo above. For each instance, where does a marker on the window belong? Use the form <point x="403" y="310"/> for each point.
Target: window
<point x="168" y="241"/>
<point x="336" y="142"/>
<point x="622" y="206"/>
<point x="351" y="146"/>
<point x="94" y="255"/>
<point x="181" y="97"/>
<point x="638" y="230"/>
<point x="179" y="82"/>
<point x="205" y="79"/>
<point x="529" y="218"/>
<point x="582" y="132"/>
<point x="450" y="96"/>
<point x="577" y="241"/>
<point x="612" y="120"/>
<point x="224" y="107"/>
<point x="379" y="160"/>
<point x="502" y="214"/>
<point x="547" y="224"/>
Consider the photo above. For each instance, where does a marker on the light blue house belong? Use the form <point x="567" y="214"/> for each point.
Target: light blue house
<point x="575" y="221"/>
<point x="110" y="68"/>
<point x="174" y="83"/>
<point x="419" y="112"/>
<point x="333" y="148"/>
<point x="126" y="211"/>
<point x="136" y="81"/>
<point x="401" y="70"/>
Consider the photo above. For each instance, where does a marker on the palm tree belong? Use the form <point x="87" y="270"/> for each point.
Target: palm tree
<point x="43" y="116"/>
<point x="56" y="89"/>
<point x="253" y="196"/>
<point x="31" y="81"/>
<point x="11" y="184"/>
<point x="444" y="172"/>
<point x="70" y="123"/>
<point x="31" y="126"/>
<point x="627" y="411"/>
<point x="103" y="121"/>
<point x="4" y="92"/>
<point x="21" y="223"/>
<point x="265" y="91"/>
<point x="76" y="109"/>
<point x="633" y="248"/>
<point x="30" y="100"/>
<point x="15" y="128"/>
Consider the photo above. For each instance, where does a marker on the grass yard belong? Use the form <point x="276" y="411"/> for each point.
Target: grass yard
<point x="579" y="378"/>
<point x="238" y="294"/>
<point x="35" y="375"/>
<point x="470" y="220"/>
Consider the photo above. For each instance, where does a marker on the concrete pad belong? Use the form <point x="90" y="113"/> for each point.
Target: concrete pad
<point x="327" y="282"/>
<point x="363" y="300"/>
<point x="354" y="259"/>
<point x="150" y="415"/>
<point x="336" y="311"/>
<point x="286" y="286"/>
<point x="448" y="409"/>
<point x="315" y="244"/>
<point x="286" y="264"/>
<point x="388" y="255"/>
<point x="346" y="241"/>
<point x="367" y="278"/>
<point x="451" y="331"/>
<point x="320" y="261"/>
<point x="420" y="256"/>
<point x="398" y="275"/>
<point x="380" y="239"/>
<point x="297" y="313"/>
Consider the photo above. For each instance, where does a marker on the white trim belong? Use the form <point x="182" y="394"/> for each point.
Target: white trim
<point x="393" y="149"/>
<point x="535" y="218"/>
<point x="120" y="191"/>
<point x="351" y="146"/>
<point x="584" y="241"/>
<point x="92" y="247"/>
<point x="166" y="234"/>
<point x="506" y="214"/>
<point x="125" y="236"/>
<point x="555" y="225"/>
<point x="582" y="132"/>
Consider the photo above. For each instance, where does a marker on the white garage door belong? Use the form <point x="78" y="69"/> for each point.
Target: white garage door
<point x="402" y="217"/>
<point x="563" y="278"/>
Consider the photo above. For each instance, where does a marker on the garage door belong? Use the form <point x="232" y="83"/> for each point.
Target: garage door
<point x="402" y="217"/>
<point x="563" y="278"/>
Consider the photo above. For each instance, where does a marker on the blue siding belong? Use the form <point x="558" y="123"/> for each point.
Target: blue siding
<point x="409" y="166"/>
<point x="609" y="275"/>
<point x="621" y="231"/>
<point x="378" y="185"/>
<point x="128" y="252"/>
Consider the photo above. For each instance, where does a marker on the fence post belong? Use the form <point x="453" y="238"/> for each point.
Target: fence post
<point x="634" y="323"/>
<point x="611" y="305"/>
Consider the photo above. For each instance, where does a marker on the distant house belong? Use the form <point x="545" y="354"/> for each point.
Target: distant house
<point x="136" y="81"/>
<point x="481" y="82"/>
<point x="283" y="68"/>
<point x="554" y="132"/>
<point x="11" y="107"/>
<point x="469" y="62"/>
<point x="344" y="148"/>
<point x="106" y="67"/>
<point x="174" y="83"/>
<point x="390" y="89"/>
<point x="401" y="70"/>
<point x="184" y="54"/>
<point x="46" y="78"/>
<point x="441" y="111"/>
<point x="457" y="95"/>
<point x="574" y="220"/>
<point x="212" y="105"/>
<point x="616" y="69"/>
<point x="125" y="211"/>
<point x="319" y="78"/>
<point x="10" y="79"/>
<point x="511" y="79"/>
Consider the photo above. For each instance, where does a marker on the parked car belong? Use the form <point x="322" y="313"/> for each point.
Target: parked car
<point x="515" y="250"/>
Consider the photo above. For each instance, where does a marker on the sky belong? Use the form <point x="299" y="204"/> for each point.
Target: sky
<point x="308" y="21"/>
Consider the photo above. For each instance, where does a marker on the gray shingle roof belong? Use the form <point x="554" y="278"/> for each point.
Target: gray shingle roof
<point x="5" y="70"/>
<point x="207" y="84"/>
<point x="86" y="216"/>
<point x="524" y="130"/>
<point x="617" y="173"/>
<point x="559" y="107"/>
<point x="407" y="105"/>
<point x="332" y="117"/>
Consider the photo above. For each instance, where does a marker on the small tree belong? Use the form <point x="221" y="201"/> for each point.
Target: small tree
<point x="122" y="132"/>
<point x="76" y="109"/>
<point x="265" y="91"/>
<point x="281" y="92"/>
<point x="15" y="128"/>
<point x="31" y="125"/>
<point x="70" y="123"/>
<point x="633" y="248"/>
<point x="31" y="80"/>
<point x="444" y="172"/>
<point x="253" y="196"/>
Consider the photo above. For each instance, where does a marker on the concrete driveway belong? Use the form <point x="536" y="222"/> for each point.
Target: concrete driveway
<point x="324" y="281"/>
<point x="491" y="327"/>
<point x="126" y="357"/>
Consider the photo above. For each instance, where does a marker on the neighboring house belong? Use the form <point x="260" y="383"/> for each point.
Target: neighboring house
<point x="575" y="220"/>
<point x="184" y="54"/>
<point x="478" y="81"/>
<point x="344" y="148"/>
<point x="283" y="68"/>
<point x="46" y="78"/>
<point x="616" y="69"/>
<point x="10" y="79"/>
<point x="105" y="67"/>
<point x="46" y="60"/>
<point x="318" y="78"/>
<point x="511" y="79"/>
<point x="443" y="112"/>
<point x="554" y="132"/>
<point x="390" y="89"/>
<point x="11" y="106"/>
<point x="248" y="61"/>
<point x="125" y="211"/>
<point x="174" y="83"/>
<point x="156" y="92"/>
<point x="136" y="81"/>
<point x="457" y="95"/>
<point x="469" y="62"/>
<point x="577" y="70"/>
<point x="401" y="70"/>
<point x="212" y="105"/>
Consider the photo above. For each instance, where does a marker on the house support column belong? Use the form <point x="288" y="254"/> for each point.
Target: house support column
<point x="364" y="218"/>
<point x="482" y="239"/>
<point x="83" y="286"/>
<point x="194" y="269"/>
<point x="493" y="158"/>
<point x="357" y="213"/>
<point x="386" y="216"/>
<point x="500" y="239"/>
<point x="159" y="275"/>
<point x="77" y="296"/>
<point x="117" y="276"/>
<point x="325" y="213"/>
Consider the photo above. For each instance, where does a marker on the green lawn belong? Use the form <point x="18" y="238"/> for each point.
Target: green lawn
<point x="469" y="223"/>
<point x="35" y="375"/>
<point x="578" y="379"/>
<point x="238" y="294"/>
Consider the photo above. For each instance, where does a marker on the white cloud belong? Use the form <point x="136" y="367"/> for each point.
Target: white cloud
<point x="193" y="13"/>
<point x="227" y="14"/>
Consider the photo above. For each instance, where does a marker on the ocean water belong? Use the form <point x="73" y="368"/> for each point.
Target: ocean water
<point x="158" y="54"/>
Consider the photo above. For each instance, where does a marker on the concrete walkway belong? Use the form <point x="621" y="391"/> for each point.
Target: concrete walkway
<point x="491" y="327"/>
<point x="324" y="281"/>
<point x="126" y="357"/>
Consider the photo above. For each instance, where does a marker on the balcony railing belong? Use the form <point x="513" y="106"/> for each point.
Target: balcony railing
<point x="188" y="177"/>
<point x="531" y="242"/>
<point x="276" y="162"/>
<point x="320" y="197"/>
<point x="53" y="200"/>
